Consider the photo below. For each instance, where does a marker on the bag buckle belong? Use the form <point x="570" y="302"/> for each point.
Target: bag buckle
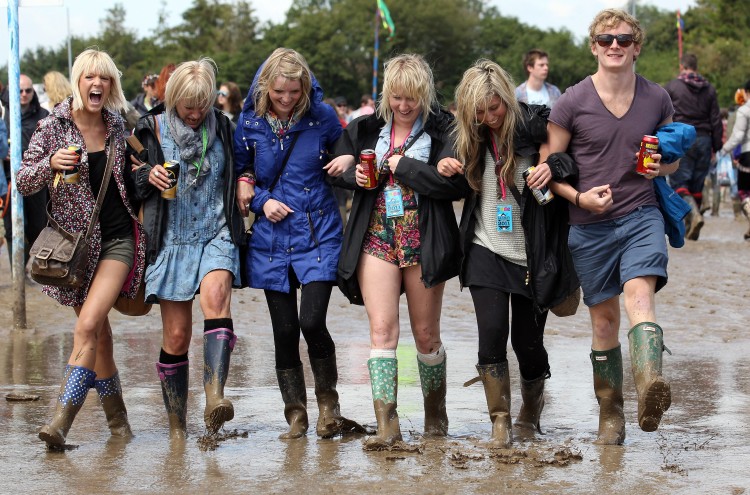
<point x="44" y="253"/>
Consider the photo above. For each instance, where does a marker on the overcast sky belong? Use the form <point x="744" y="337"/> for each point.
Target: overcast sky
<point x="47" y="26"/>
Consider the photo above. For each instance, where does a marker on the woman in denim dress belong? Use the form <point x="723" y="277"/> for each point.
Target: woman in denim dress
<point x="193" y="236"/>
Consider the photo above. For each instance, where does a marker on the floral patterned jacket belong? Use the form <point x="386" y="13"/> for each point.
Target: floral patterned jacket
<point x="72" y="204"/>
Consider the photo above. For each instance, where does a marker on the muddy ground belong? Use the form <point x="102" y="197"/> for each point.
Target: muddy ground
<point x="703" y="445"/>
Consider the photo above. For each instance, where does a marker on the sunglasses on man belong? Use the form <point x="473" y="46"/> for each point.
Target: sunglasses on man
<point x="27" y="90"/>
<point x="623" y="40"/>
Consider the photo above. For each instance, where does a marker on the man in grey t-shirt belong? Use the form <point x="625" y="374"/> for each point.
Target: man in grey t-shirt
<point x="617" y="231"/>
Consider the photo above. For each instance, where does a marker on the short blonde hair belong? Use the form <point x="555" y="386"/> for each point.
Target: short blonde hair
<point x="479" y="84"/>
<point x="192" y="83"/>
<point x="95" y="61"/>
<point x="610" y="18"/>
<point x="289" y="64"/>
<point x="410" y="76"/>
<point x="57" y="87"/>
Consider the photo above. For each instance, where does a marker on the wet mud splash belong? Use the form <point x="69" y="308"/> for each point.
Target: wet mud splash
<point x="210" y="442"/>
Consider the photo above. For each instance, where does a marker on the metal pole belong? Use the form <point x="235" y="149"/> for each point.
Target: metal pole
<point x="375" y="56"/>
<point x="14" y="100"/>
<point x="70" y="52"/>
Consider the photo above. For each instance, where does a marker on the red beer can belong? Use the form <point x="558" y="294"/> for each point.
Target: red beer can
<point x="649" y="146"/>
<point x="367" y="159"/>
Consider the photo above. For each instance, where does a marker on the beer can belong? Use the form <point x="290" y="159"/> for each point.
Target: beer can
<point x="367" y="159"/>
<point x="173" y="172"/>
<point x="649" y="146"/>
<point x="71" y="176"/>
<point x="542" y="194"/>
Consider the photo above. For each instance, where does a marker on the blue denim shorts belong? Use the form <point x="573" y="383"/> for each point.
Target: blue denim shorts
<point x="609" y="253"/>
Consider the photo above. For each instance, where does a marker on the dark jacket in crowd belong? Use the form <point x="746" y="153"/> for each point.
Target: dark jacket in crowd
<point x="438" y="232"/>
<point x="155" y="207"/>
<point x="695" y="103"/>
<point x="552" y="276"/>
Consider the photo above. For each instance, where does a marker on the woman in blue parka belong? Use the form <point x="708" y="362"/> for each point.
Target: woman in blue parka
<point x="281" y="146"/>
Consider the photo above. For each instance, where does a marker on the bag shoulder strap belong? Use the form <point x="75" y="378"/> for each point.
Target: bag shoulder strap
<point x="103" y="188"/>
<point x="283" y="164"/>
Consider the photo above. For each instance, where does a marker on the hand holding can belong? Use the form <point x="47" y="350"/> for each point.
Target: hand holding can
<point x="649" y="146"/>
<point x="369" y="168"/>
<point x="173" y="172"/>
<point x="71" y="176"/>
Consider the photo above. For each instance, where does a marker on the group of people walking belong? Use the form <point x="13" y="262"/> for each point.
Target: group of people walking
<point x="280" y="161"/>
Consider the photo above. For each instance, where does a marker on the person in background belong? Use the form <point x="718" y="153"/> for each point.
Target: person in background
<point x="144" y="102"/>
<point x="741" y="137"/>
<point x="342" y="110"/>
<point x="229" y="100"/>
<point x="57" y="87"/>
<point x="115" y="266"/>
<point x="506" y="264"/>
<point x="282" y="146"/>
<point x="536" y="90"/>
<point x="34" y="205"/>
<point x="161" y="82"/>
<point x="401" y="236"/>
<point x="616" y="228"/>
<point x="366" y="107"/>
<point x="695" y="103"/>
<point x="193" y="237"/>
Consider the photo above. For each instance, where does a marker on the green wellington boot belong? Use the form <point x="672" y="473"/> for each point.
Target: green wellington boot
<point x="654" y="393"/>
<point x="433" y="380"/>
<point x="384" y="382"/>
<point x="608" y="388"/>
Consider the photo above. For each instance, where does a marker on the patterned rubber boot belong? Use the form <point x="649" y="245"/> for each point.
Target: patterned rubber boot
<point x="433" y="380"/>
<point x="110" y="396"/>
<point x="384" y="382"/>
<point x="75" y="386"/>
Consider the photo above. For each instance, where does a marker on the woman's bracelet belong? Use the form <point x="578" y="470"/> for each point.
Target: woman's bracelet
<point x="578" y="197"/>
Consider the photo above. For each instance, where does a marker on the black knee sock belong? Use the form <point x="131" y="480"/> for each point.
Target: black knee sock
<point x="166" y="358"/>
<point x="215" y="323"/>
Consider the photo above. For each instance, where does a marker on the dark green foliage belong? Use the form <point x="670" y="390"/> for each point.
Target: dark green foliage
<point x="336" y="37"/>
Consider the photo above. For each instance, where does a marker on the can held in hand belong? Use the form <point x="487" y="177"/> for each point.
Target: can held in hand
<point x="71" y="176"/>
<point x="173" y="172"/>
<point x="367" y="159"/>
<point x="649" y="146"/>
<point x="542" y="195"/>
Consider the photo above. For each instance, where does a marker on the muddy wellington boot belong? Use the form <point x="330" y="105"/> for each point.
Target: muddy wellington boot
<point x="532" y="393"/>
<point x="110" y="396"/>
<point x="496" y="383"/>
<point x="608" y="388"/>
<point x="694" y="219"/>
<point x="384" y="382"/>
<point x="174" y="388"/>
<point x="330" y="420"/>
<point x="745" y="206"/>
<point x="218" y="344"/>
<point x="75" y="386"/>
<point x="654" y="393"/>
<point x="433" y="380"/>
<point x="294" y="393"/>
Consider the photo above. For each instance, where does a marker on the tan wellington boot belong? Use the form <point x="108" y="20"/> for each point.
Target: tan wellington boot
<point x="294" y="394"/>
<point x="532" y="393"/>
<point x="496" y="383"/>
<point x="608" y="388"/>
<point x="694" y="219"/>
<point x="330" y="421"/>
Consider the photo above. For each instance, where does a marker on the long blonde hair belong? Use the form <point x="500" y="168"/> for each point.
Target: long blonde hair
<point x="192" y="83"/>
<point x="57" y="87"/>
<point x="479" y="84"/>
<point x="289" y="64"/>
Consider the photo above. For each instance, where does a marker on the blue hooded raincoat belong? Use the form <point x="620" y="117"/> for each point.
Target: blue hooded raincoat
<point x="309" y="239"/>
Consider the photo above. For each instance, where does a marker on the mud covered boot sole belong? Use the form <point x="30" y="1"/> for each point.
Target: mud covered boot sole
<point x="218" y="415"/>
<point x="51" y="436"/>
<point x="656" y="401"/>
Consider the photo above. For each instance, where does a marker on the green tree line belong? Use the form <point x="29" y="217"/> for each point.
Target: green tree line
<point x="337" y="37"/>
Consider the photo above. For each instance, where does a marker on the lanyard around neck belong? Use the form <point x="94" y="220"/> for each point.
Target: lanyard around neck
<point x="204" y="135"/>
<point x="497" y="157"/>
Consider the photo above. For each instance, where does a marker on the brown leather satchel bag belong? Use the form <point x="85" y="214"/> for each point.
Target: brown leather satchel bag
<point x="58" y="257"/>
